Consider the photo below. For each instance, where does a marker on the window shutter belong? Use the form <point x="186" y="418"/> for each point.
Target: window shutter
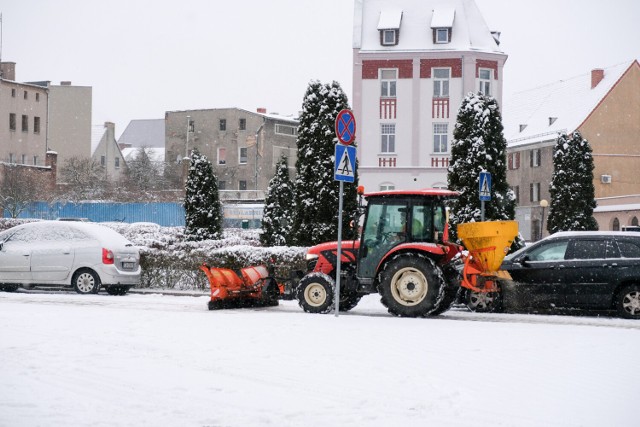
<point x="510" y="161"/>
<point x="517" y="160"/>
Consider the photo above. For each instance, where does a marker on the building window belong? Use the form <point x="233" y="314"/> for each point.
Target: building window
<point x="36" y="125"/>
<point x="242" y="185"/>
<point x="513" y="161"/>
<point x="12" y="121"/>
<point x="223" y="124"/>
<point x="485" y="76"/>
<point x="535" y="158"/>
<point x="442" y="35"/>
<point x="103" y="161"/>
<point x="243" y="155"/>
<point x="26" y="95"/>
<point x="534" y="192"/>
<point x="516" y="193"/>
<point x="25" y="123"/>
<point x="441" y="82"/>
<point x="242" y="124"/>
<point x="35" y="160"/>
<point x="286" y="130"/>
<point x="634" y="221"/>
<point x="13" y="93"/>
<point x="389" y="37"/>
<point x="222" y="185"/>
<point x="11" y="158"/>
<point x="388" y="138"/>
<point x="387" y="187"/>
<point x="37" y="97"/>
<point x="440" y="135"/>
<point x="222" y="156"/>
<point x="117" y="162"/>
<point x="24" y="159"/>
<point x="388" y="80"/>
<point x="616" y="225"/>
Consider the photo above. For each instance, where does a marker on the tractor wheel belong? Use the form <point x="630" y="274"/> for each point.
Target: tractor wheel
<point x="348" y="301"/>
<point x="483" y="302"/>
<point x="315" y="293"/>
<point x="411" y="285"/>
<point x="628" y="302"/>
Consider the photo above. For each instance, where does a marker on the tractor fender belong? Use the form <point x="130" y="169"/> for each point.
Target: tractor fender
<point x="432" y="250"/>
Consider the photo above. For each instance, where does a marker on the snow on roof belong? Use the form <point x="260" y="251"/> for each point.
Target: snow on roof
<point x="144" y="133"/>
<point x="469" y="29"/>
<point x="390" y="19"/>
<point x="443" y="18"/>
<point x="539" y="114"/>
<point x="156" y="154"/>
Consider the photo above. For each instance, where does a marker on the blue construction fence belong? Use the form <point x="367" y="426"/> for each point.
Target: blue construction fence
<point x="166" y="214"/>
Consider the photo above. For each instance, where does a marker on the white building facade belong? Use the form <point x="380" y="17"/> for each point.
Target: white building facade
<point x="414" y="61"/>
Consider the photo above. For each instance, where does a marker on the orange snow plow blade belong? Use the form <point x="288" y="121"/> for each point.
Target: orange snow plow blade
<point x="487" y="242"/>
<point x="247" y="287"/>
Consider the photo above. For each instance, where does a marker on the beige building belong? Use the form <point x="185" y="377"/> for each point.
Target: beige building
<point x="604" y="106"/>
<point x="106" y="152"/>
<point x="23" y="119"/>
<point x="243" y="147"/>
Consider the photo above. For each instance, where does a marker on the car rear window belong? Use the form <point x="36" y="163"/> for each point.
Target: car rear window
<point x="629" y="249"/>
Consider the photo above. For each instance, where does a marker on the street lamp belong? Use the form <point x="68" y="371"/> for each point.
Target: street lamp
<point x="543" y="205"/>
<point x="186" y="145"/>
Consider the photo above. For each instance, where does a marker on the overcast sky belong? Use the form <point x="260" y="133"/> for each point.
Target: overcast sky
<point x="143" y="58"/>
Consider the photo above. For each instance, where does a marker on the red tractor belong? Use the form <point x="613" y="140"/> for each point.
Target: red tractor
<point x="403" y="254"/>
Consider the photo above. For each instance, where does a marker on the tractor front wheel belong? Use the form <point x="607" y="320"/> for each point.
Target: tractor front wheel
<point x="411" y="285"/>
<point x="315" y="293"/>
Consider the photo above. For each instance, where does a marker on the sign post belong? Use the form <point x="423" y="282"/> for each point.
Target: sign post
<point x="344" y="171"/>
<point x="485" y="191"/>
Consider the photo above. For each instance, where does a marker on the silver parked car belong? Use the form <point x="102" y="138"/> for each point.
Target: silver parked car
<point x="82" y="255"/>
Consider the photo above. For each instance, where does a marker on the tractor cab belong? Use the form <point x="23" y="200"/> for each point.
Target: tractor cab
<point x="399" y="220"/>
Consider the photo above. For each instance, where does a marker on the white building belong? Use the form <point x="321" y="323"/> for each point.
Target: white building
<point x="414" y="61"/>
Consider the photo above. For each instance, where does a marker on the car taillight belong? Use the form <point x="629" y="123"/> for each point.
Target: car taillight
<point x="107" y="256"/>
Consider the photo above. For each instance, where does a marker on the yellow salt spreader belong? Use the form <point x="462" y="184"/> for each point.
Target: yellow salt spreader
<point x="487" y="242"/>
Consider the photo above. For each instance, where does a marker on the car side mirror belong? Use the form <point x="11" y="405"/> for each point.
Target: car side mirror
<point x="524" y="260"/>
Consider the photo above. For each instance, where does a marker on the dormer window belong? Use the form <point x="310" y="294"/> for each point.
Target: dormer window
<point x="389" y="27"/>
<point x="442" y="25"/>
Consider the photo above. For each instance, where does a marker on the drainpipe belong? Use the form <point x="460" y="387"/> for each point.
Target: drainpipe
<point x="256" y="164"/>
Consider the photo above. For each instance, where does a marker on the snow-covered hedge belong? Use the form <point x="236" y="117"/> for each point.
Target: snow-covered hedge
<point x="169" y="261"/>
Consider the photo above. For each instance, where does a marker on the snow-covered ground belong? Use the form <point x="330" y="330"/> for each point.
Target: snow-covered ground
<point x="74" y="360"/>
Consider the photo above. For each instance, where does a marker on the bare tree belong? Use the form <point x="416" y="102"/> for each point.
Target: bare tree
<point x="143" y="173"/>
<point x="84" y="178"/>
<point x="19" y="188"/>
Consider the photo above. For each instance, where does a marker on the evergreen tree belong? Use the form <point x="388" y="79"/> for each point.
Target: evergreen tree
<point x="316" y="190"/>
<point x="278" y="212"/>
<point x="572" y="190"/>
<point x="479" y="146"/>
<point x="202" y="203"/>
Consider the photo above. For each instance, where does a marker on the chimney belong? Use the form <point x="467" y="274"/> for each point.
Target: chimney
<point x="597" y="75"/>
<point x="262" y="110"/>
<point x="8" y="71"/>
<point x="51" y="160"/>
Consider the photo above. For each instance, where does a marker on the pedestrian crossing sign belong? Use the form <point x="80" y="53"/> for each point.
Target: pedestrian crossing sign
<point x="485" y="186"/>
<point x="345" y="163"/>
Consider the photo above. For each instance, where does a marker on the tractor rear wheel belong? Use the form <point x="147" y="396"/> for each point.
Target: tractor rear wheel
<point x="348" y="301"/>
<point x="411" y="285"/>
<point x="315" y="293"/>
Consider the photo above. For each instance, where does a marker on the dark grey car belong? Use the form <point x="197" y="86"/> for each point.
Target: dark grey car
<point x="571" y="270"/>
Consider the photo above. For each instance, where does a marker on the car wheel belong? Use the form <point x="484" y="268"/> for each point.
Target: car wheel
<point x="628" y="304"/>
<point x="482" y="302"/>
<point x="411" y="285"/>
<point x="9" y="288"/>
<point x="86" y="281"/>
<point x="117" y="290"/>
<point x="315" y="293"/>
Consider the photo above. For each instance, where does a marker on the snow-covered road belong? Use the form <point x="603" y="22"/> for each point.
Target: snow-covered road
<point x="68" y="359"/>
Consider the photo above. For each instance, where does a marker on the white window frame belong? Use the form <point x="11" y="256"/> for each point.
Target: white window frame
<point x="441" y="137"/>
<point x="117" y="162"/>
<point x="35" y="160"/>
<point x="388" y="83"/>
<point x="441" y="84"/>
<point x="11" y="158"/>
<point x="534" y="191"/>
<point x="439" y="33"/>
<point x="222" y="156"/>
<point x="24" y="159"/>
<point x="387" y="138"/>
<point x="240" y="157"/>
<point x="485" y="81"/>
<point x="392" y="41"/>
<point x="387" y="186"/>
<point x="240" y="185"/>
<point x="536" y="157"/>
<point x="286" y="130"/>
